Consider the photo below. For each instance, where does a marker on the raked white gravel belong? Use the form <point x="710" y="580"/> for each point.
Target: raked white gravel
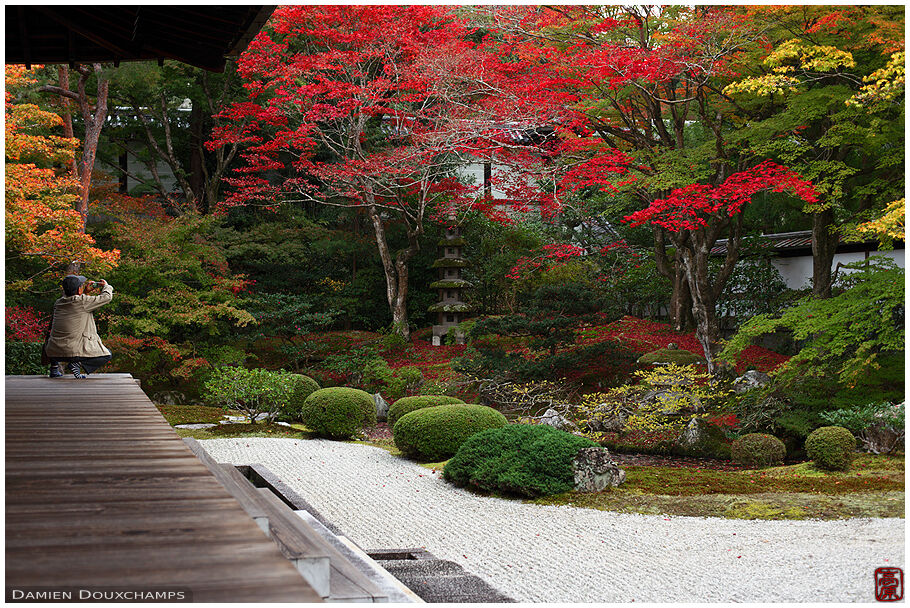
<point x="566" y="554"/>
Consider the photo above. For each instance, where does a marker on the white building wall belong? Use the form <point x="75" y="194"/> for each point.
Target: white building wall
<point x="797" y="271"/>
<point x="474" y="171"/>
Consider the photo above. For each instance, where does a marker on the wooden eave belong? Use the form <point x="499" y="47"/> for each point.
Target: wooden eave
<point x="199" y="35"/>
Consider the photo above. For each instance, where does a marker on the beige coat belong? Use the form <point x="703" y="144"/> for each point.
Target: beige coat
<point x="73" y="332"/>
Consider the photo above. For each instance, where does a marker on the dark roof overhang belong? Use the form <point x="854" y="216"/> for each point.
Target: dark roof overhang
<point x="201" y="35"/>
<point x="795" y="244"/>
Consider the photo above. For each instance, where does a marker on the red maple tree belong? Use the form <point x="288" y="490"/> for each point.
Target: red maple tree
<point x="696" y="216"/>
<point x="364" y="107"/>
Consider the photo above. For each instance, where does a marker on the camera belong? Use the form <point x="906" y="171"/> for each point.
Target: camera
<point x="93" y="284"/>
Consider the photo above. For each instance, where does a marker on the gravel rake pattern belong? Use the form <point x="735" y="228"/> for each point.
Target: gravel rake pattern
<point x="540" y="553"/>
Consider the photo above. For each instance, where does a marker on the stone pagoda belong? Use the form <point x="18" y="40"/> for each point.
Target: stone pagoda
<point x="450" y="310"/>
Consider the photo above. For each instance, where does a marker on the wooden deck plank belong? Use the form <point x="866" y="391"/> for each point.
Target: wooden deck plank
<point x="101" y="492"/>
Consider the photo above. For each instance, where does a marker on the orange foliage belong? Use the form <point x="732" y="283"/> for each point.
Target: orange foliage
<point x="41" y="219"/>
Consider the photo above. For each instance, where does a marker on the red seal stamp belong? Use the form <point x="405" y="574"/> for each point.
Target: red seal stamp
<point x="889" y="584"/>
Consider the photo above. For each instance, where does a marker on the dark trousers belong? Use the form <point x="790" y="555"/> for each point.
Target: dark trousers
<point x="89" y="364"/>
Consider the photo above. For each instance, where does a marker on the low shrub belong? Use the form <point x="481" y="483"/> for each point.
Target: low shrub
<point x="831" y="447"/>
<point x="378" y="377"/>
<point x="435" y="433"/>
<point x="526" y="459"/>
<point x="252" y="391"/>
<point x="758" y="449"/>
<point x="24" y="358"/>
<point x="406" y="405"/>
<point x="301" y="388"/>
<point x="338" y="412"/>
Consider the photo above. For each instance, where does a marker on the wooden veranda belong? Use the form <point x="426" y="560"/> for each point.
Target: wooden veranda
<point x="101" y="493"/>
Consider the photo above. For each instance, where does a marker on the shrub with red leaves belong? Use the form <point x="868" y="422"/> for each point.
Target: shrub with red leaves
<point x="25" y="324"/>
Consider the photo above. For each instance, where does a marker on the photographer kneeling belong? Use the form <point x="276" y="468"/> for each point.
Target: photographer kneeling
<point x="73" y="337"/>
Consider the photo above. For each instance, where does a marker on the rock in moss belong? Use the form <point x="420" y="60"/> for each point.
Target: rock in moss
<point x="671" y="354"/>
<point x="703" y="440"/>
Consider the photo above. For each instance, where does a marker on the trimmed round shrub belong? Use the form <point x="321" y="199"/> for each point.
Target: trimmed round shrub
<point x="406" y="405"/>
<point x="831" y="447"/>
<point x="301" y="388"/>
<point x="435" y="433"/>
<point x="526" y="459"/>
<point x="758" y="449"/>
<point x="339" y="412"/>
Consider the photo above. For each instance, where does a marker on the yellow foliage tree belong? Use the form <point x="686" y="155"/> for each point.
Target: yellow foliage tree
<point x="41" y="220"/>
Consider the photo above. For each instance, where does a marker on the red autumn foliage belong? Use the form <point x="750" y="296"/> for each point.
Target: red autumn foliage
<point x="24" y="324"/>
<point x="641" y="336"/>
<point x="696" y="205"/>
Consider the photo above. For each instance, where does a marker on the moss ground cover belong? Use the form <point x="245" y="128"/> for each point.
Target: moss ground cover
<point x="873" y="487"/>
<point x="189" y="414"/>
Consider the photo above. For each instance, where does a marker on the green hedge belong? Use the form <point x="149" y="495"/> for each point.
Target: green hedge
<point x="435" y="433"/>
<point x="831" y="447"/>
<point x="758" y="449"/>
<point x="339" y="412"/>
<point x="526" y="459"/>
<point x="302" y="387"/>
<point x="406" y="405"/>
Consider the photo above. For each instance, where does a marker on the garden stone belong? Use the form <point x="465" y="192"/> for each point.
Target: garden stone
<point x="382" y="408"/>
<point x="169" y="398"/>
<point x="703" y="440"/>
<point x="199" y="425"/>
<point x="609" y="418"/>
<point x="243" y="419"/>
<point x="595" y="470"/>
<point x="553" y="418"/>
<point x="752" y="379"/>
<point x="879" y="437"/>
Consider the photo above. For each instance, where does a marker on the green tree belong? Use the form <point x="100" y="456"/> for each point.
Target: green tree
<point x="173" y="281"/>
<point x="803" y="101"/>
<point x="165" y="114"/>
<point x="844" y="336"/>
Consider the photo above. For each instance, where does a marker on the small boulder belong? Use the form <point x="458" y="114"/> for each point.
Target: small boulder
<point x="553" y="418"/>
<point x="703" y="440"/>
<point x="608" y="418"/>
<point x="595" y="470"/>
<point x="382" y="408"/>
<point x="752" y="379"/>
<point x="169" y="398"/>
<point x="880" y="437"/>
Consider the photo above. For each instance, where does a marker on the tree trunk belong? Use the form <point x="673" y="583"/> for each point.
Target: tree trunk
<point x="400" y="306"/>
<point x="94" y="122"/>
<point x="681" y="317"/>
<point x="63" y="80"/>
<point x="396" y="277"/>
<point x="703" y="302"/>
<point x="197" y="176"/>
<point x="824" y="246"/>
<point x="680" y="306"/>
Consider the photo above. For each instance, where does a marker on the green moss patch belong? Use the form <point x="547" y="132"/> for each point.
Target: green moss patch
<point x="691" y="482"/>
<point x="679" y="356"/>
<point x="275" y="431"/>
<point x="191" y="414"/>
<point x="756" y="506"/>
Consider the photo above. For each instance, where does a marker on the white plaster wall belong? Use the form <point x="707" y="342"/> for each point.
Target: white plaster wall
<point x="474" y="171"/>
<point x="140" y="169"/>
<point x="797" y="271"/>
